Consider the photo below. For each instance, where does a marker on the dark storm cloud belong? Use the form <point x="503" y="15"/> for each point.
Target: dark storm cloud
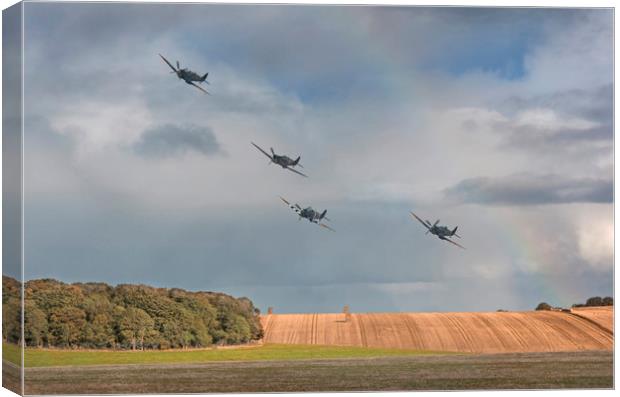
<point x="378" y="260"/>
<point x="529" y="189"/>
<point x="238" y="252"/>
<point x="172" y="140"/>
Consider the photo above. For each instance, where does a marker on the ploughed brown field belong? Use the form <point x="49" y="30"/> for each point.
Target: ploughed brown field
<point x="604" y="316"/>
<point x="493" y="332"/>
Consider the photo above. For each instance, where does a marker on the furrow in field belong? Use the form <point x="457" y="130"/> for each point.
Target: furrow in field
<point x="494" y="332"/>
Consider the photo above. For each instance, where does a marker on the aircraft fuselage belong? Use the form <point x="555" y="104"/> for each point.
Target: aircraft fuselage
<point x="188" y="76"/>
<point x="309" y="213"/>
<point x="283" y="161"/>
<point x="441" y="231"/>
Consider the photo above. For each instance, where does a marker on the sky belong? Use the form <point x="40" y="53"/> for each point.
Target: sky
<point x="495" y="120"/>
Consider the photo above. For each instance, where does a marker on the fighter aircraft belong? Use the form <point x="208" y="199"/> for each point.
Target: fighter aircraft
<point x="188" y="76"/>
<point x="440" y="231"/>
<point x="283" y="161"/>
<point x="309" y="213"/>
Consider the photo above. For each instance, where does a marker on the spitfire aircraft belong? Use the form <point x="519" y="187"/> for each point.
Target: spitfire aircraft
<point x="188" y="76"/>
<point x="283" y="161"/>
<point x="440" y="231"/>
<point x="310" y="214"/>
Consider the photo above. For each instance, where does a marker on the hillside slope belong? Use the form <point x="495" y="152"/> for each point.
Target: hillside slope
<point x="496" y="332"/>
<point x="603" y="315"/>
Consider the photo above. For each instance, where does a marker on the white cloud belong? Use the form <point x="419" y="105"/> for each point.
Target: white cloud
<point x="97" y="124"/>
<point x="549" y="120"/>
<point x="595" y="230"/>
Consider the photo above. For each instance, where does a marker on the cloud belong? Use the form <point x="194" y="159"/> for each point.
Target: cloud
<point x="530" y="189"/>
<point x="172" y="140"/>
<point x="596" y="242"/>
<point x="384" y="119"/>
<point x="577" y="118"/>
<point x="572" y="117"/>
<point x="576" y="53"/>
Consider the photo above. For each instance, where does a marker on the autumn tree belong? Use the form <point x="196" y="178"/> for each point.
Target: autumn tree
<point x="66" y="326"/>
<point x="96" y="315"/>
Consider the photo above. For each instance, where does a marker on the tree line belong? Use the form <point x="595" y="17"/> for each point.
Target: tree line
<point x="97" y="315"/>
<point x="590" y="302"/>
<point x="596" y="301"/>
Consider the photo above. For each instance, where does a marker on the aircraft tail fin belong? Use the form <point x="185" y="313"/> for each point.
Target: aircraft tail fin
<point x="203" y="78"/>
<point x="272" y="152"/>
<point x="297" y="160"/>
<point x="323" y="214"/>
<point x="454" y="231"/>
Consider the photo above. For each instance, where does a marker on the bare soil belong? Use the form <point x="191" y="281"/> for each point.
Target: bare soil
<point x="494" y="332"/>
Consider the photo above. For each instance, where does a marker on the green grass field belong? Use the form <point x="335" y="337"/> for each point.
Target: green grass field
<point x="11" y="353"/>
<point x="46" y="358"/>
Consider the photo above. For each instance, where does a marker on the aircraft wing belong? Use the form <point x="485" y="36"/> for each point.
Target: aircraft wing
<point x="420" y="220"/>
<point x="295" y="171"/>
<point x="265" y="153"/>
<point x="169" y="64"/>
<point x="293" y="207"/>
<point x="452" y="242"/>
<point x="199" y="87"/>
<point x="326" y="227"/>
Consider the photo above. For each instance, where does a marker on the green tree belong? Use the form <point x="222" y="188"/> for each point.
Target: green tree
<point x="11" y="310"/>
<point x="594" y="301"/>
<point x="35" y="324"/>
<point x="543" y="306"/>
<point x="99" y="332"/>
<point x="11" y="320"/>
<point x="237" y="330"/>
<point x="135" y="326"/>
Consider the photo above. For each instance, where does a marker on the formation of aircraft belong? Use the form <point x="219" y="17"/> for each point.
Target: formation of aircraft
<point x="313" y="216"/>
<point x="309" y="213"/>
<point x="283" y="161"/>
<point x="188" y="76"/>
